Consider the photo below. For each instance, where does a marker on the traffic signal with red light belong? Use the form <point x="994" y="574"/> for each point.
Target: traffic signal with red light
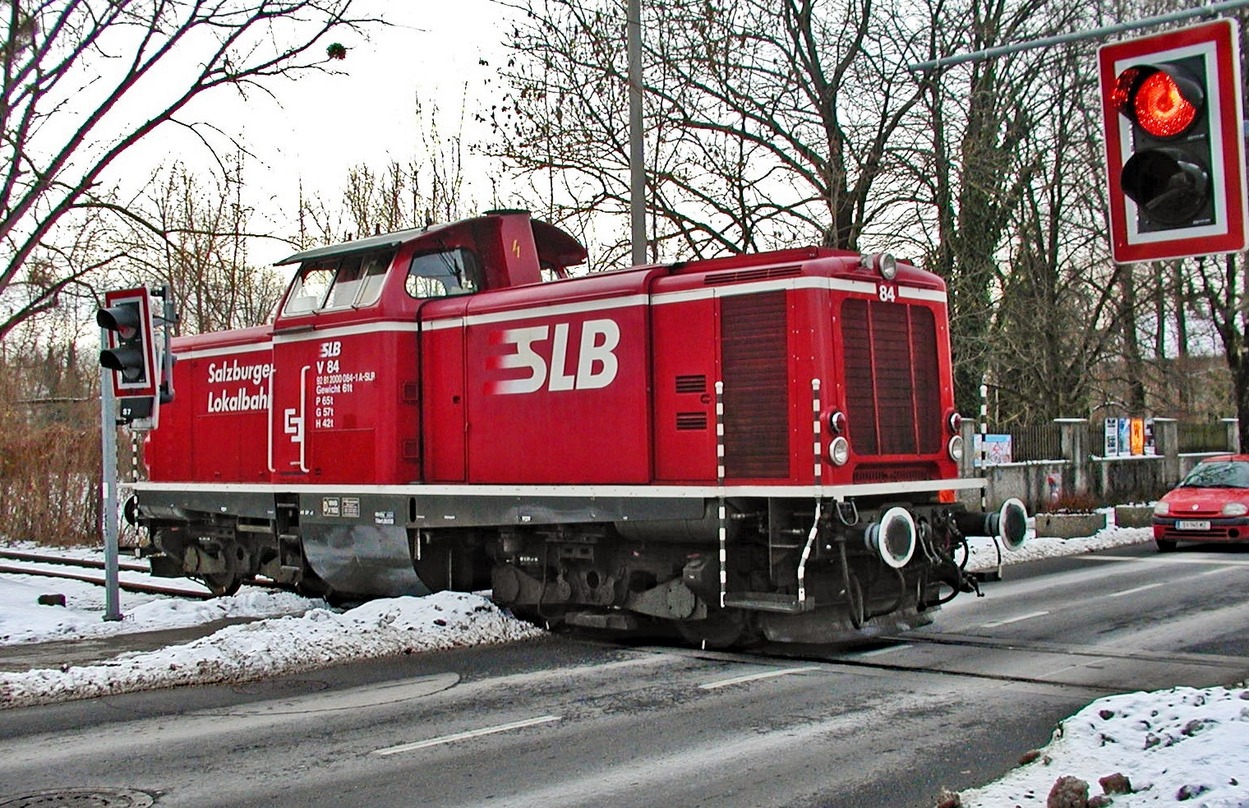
<point x="1174" y="149"/>
<point x="129" y="350"/>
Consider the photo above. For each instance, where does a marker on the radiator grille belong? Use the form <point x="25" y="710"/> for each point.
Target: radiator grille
<point x="753" y="337"/>
<point x="892" y="382"/>
<point x="896" y="472"/>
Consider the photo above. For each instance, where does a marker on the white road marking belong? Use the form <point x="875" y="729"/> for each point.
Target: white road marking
<point x="1170" y="558"/>
<point x="1008" y="621"/>
<point x="1133" y="591"/>
<point x="463" y="736"/>
<point x="737" y="680"/>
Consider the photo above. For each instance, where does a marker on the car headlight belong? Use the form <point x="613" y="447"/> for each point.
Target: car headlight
<point x="1235" y="509"/>
<point x="1162" y="508"/>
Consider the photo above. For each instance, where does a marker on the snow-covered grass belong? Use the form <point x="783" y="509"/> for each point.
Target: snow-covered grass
<point x="1181" y="745"/>
<point x="1184" y="745"/>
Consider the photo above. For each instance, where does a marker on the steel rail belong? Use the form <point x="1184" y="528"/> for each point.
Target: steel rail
<point x="129" y="586"/>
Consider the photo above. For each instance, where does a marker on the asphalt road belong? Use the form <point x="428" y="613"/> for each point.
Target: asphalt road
<point x="573" y="722"/>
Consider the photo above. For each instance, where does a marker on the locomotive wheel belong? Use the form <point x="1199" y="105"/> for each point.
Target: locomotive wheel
<point x="223" y="583"/>
<point x="723" y="628"/>
<point x="227" y="582"/>
<point x="311" y="585"/>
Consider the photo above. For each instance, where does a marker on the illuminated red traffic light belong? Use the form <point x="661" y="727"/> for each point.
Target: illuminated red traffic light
<point x="1166" y="105"/>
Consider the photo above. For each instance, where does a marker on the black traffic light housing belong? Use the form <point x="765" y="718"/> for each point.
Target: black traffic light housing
<point x="129" y="357"/>
<point x="1168" y="175"/>
<point x="129" y="350"/>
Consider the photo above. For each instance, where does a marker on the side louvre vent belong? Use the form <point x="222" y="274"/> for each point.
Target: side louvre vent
<point x="691" y="384"/>
<point x="745" y="275"/>
<point x="690" y="421"/>
<point x="753" y="337"/>
<point x="893" y="390"/>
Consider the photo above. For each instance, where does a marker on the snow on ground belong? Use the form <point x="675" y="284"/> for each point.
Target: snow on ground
<point x="1180" y="745"/>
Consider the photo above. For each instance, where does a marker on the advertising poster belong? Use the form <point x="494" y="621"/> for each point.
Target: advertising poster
<point x="1112" y="438"/>
<point x="1129" y="437"/>
<point x="995" y="449"/>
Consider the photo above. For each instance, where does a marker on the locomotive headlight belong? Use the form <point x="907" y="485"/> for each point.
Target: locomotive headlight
<point x="837" y="422"/>
<point x="1235" y="509"/>
<point x="888" y="266"/>
<point x="956" y="422"/>
<point x="883" y="263"/>
<point x="955" y="448"/>
<point x="1162" y="508"/>
<point x="839" y="451"/>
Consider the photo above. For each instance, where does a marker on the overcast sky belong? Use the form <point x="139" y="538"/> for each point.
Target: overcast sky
<point x="320" y="126"/>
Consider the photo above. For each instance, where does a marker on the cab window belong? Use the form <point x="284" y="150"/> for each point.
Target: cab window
<point x="441" y="274"/>
<point x="309" y="288"/>
<point x="338" y="283"/>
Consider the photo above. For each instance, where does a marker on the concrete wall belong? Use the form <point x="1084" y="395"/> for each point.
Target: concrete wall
<point x="1080" y="474"/>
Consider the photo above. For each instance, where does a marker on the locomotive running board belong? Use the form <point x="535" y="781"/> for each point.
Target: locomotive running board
<point x="768" y="602"/>
<point x="614" y="621"/>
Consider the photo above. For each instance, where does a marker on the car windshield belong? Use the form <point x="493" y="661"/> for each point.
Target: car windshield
<point x="1218" y="475"/>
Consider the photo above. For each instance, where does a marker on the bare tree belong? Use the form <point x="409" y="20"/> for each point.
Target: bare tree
<point x="1059" y="301"/>
<point x="83" y="81"/>
<point x="768" y="123"/>
<point x="191" y="230"/>
<point x="428" y="189"/>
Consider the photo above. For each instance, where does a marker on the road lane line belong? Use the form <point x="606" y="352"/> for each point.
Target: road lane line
<point x="463" y="736"/>
<point x="1008" y="621"/>
<point x="752" y="677"/>
<point x="1169" y="558"/>
<point x="1134" y="591"/>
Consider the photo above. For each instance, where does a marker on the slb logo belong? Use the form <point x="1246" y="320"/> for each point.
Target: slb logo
<point x="542" y="352"/>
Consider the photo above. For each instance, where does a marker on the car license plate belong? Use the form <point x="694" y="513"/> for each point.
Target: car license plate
<point x="1192" y="524"/>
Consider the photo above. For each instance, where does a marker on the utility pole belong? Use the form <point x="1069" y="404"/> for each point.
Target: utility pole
<point x="637" y="171"/>
<point x="108" y="497"/>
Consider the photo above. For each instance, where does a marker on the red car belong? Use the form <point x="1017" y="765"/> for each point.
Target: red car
<point x="1211" y="504"/>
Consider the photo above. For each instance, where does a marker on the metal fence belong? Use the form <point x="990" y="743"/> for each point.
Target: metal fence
<point x="1039" y="442"/>
<point x="1202" y="436"/>
<point x="1044" y="441"/>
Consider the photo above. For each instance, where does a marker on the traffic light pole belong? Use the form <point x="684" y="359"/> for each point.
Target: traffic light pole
<point x="108" y="444"/>
<point x="1079" y="36"/>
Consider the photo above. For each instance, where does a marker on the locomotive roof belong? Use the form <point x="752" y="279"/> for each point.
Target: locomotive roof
<point x="554" y="245"/>
<point x="361" y="245"/>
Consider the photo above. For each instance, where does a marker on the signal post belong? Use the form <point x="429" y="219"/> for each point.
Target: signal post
<point x="134" y="379"/>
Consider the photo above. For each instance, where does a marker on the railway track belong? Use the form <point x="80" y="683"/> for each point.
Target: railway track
<point x="86" y="563"/>
<point x="1098" y="669"/>
<point x="89" y="570"/>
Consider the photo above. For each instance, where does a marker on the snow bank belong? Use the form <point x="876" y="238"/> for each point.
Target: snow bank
<point x="283" y="645"/>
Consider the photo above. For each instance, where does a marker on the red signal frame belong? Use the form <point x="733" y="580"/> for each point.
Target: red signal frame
<point x="1218" y="43"/>
<point x="121" y="387"/>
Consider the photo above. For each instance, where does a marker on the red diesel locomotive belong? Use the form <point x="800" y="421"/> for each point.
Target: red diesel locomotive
<point x="760" y="445"/>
